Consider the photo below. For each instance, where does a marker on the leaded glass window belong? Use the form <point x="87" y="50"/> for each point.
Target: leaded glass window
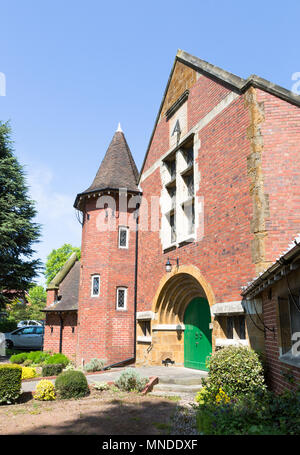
<point x="121" y="298"/>
<point x="123" y="237"/>
<point x="95" y="285"/>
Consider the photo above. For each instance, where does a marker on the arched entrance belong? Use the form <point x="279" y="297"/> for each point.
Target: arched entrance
<point x="172" y="311"/>
<point x="197" y="334"/>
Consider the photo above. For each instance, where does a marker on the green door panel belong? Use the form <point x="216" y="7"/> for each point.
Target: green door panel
<point x="197" y="334"/>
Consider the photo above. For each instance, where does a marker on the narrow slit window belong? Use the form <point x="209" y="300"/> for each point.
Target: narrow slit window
<point x="121" y="299"/>
<point x="123" y="237"/>
<point x="95" y="291"/>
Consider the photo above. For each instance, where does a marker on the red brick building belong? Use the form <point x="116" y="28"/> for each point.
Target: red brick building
<point x="220" y="199"/>
<point x="277" y="289"/>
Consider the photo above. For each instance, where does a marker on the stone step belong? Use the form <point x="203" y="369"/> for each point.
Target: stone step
<point x="188" y="380"/>
<point x="183" y="395"/>
<point x="177" y="388"/>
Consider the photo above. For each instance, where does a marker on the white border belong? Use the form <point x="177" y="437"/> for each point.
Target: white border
<point x="125" y="298"/>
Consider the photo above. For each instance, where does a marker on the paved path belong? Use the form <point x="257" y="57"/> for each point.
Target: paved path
<point x="169" y="374"/>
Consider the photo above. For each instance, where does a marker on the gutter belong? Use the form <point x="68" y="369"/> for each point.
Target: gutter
<point x="286" y="259"/>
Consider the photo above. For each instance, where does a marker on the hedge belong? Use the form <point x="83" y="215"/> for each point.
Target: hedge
<point x="52" y="369"/>
<point x="10" y="383"/>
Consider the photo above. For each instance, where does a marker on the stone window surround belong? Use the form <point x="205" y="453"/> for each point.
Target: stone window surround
<point x="181" y="198"/>
<point x="121" y="288"/>
<point x="124" y="228"/>
<point x="93" y="276"/>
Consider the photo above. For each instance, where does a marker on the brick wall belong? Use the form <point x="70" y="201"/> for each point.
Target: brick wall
<point x="223" y="254"/>
<point x="105" y="332"/>
<point x="281" y="170"/>
<point x="52" y="333"/>
<point x="276" y="369"/>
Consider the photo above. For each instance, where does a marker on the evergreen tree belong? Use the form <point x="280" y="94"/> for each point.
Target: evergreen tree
<point x="18" y="232"/>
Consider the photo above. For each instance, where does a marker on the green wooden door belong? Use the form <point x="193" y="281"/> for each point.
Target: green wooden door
<point x="197" y="334"/>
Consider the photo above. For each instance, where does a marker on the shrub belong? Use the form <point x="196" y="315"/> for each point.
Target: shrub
<point x="57" y="358"/>
<point x="27" y="363"/>
<point x="10" y="383"/>
<point x="94" y="365"/>
<point x="204" y="396"/>
<point x="237" y="370"/>
<point x="261" y="413"/>
<point x="71" y="384"/>
<point x="18" y="358"/>
<point x="52" y="369"/>
<point x="131" y="380"/>
<point x="37" y="357"/>
<point x="100" y="386"/>
<point x="28" y="373"/>
<point x="45" y="391"/>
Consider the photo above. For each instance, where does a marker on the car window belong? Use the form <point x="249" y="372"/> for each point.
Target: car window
<point x="28" y="330"/>
<point x="39" y="330"/>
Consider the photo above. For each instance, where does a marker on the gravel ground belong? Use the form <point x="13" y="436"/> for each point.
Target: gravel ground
<point x="184" y="419"/>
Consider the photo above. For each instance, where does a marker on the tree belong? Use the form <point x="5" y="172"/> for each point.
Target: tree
<point x="57" y="258"/>
<point x="18" y="232"/>
<point x="36" y="298"/>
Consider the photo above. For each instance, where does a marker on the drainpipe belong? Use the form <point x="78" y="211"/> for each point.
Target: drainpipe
<point x="136" y="215"/>
<point x="60" y="331"/>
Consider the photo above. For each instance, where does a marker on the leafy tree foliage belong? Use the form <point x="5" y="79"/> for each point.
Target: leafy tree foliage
<point x="18" y="232"/>
<point x="57" y="259"/>
<point x="31" y="309"/>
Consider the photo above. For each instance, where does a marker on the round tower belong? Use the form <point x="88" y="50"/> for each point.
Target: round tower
<point x="106" y="304"/>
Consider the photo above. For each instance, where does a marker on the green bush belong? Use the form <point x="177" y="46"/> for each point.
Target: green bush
<point x="38" y="357"/>
<point x="262" y="413"/>
<point x="52" y="369"/>
<point x="10" y="383"/>
<point x="131" y="380"/>
<point x="71" y="384"/>
<point x="19" y="358"/>
<point x="57" y="358"/>
<point x="237" y="370"/>
<point x="94" y="365"/>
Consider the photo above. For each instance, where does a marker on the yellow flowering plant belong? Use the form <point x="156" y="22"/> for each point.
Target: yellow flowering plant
<point x="28" y="372"/>
<point x="45" y="391"/>
<point x="222" y="397"/>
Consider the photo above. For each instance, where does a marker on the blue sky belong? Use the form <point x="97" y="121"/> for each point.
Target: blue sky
<point x="75" y="69"/>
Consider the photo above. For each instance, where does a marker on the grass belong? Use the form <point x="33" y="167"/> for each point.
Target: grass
<point x="168" y="397"/>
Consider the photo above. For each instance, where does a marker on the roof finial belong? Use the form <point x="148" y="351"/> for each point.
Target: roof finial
<point x="119" y="128"/>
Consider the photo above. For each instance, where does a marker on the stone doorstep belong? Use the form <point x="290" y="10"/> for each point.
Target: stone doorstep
<point x="177" y="388"/>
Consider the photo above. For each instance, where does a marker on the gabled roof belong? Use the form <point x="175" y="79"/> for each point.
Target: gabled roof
<point x="67" y="284"/>
<point x="117" y="170"/>
<point x="233" y="82"/>
<point x="289" y="258"/>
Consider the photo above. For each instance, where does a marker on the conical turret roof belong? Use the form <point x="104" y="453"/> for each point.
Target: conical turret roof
<point x="117" y="170"/>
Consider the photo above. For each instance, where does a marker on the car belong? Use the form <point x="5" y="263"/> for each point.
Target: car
<point x="29" y="322"/>
<point x="30" y="337"/>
